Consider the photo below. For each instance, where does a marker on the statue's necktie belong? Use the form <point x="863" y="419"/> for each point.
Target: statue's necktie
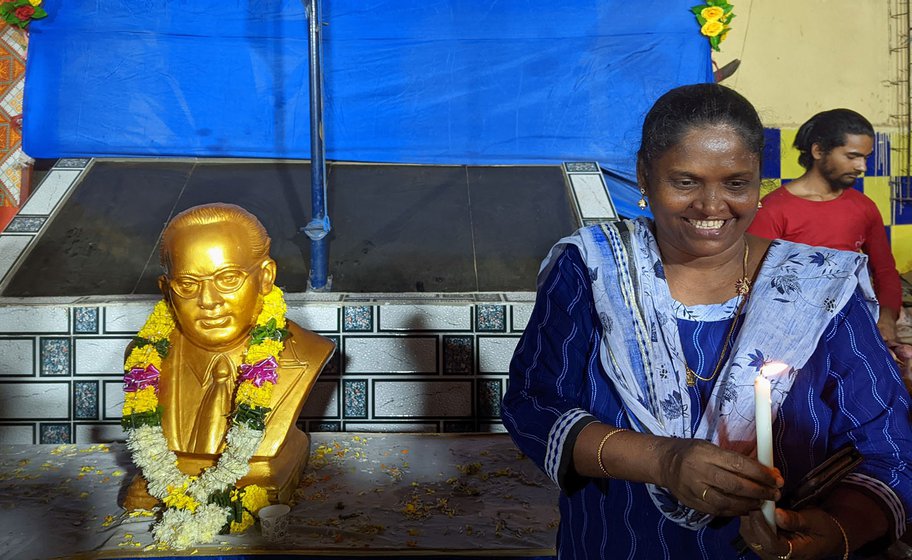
<point x="212" y="421"/>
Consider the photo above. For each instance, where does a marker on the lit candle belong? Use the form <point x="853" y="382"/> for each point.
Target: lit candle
<point x="764" y="421"/>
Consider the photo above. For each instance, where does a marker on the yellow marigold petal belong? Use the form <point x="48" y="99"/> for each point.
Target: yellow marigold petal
<point x="264" y="350"/>
<point x="255" y="498"/>
<point x="140" y="401"/>
<point x="159" y="324"/>
<point x="245" y="523"/>
<point x="176" y="498"/>
<point x="273" y="308"/>
<point x="251" y="395"/>
<point x="142" y="357"/>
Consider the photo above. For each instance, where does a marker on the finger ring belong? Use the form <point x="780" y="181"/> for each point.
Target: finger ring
<point x="787" y="555"/>
<point x="757" y="546"/>
<point x="703" y="496"/>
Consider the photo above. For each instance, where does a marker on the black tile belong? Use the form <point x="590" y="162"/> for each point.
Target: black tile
<point x="518" y="213"/>
<point x="396" y="228"/>
<point x="278" y="193"/>
<point x="105" y="232"/>
<point x="400" y="228"/>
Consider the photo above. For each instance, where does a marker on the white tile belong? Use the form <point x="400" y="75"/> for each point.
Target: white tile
<point x="17" y="435"/>
<point x="17" y="356"/>
<point x="495" y="353"/>
<point x="398" y="427"/>
<point x="323" y="401"/>
<point x="113" y="400"/>
<point x="127" y="317"/>
<point x="54" y="186"/>
<point x="390" y="355"/>
<point x="100" y="355"/>
<point x="99" y="433"/>
<point x="33" y="318"/>
<point x="11" y="246"/>
<point x="404" y="399"/>
<point x="521" y="314"/>
<point x="48" y="401"/>
<point x="425" y="317"/>
<point x="315" y="317"/>
<point x="592" y="196"/>
<point x="519" y="297"/>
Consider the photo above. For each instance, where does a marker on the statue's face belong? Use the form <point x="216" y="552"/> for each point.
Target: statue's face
<point x="215" y="284"/>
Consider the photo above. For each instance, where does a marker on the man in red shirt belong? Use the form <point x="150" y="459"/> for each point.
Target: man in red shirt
<point x="821" y="208"/>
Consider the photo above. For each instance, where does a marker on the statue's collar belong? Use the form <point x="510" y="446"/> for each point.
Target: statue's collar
<point x="201" y="360"/>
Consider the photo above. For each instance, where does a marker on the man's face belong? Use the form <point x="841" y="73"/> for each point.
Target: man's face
<point x="214" y="284"/>
<point x="842" y="165"/>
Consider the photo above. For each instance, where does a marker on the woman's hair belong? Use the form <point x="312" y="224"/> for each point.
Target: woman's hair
<point x="687" y="107"/>
<point x="207" y="214"/>
<point x="828" y="130"/>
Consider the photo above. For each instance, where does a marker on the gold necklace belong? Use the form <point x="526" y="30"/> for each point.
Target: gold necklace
<point x="742" y="287"/>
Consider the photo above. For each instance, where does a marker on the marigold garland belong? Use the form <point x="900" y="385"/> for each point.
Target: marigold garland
<point x="713" y="16"/>
<point x="199" y="508"/>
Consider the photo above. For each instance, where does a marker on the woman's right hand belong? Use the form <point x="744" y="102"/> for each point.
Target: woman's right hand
<point x="806" y="534"/>
<point x="713" y="480"/>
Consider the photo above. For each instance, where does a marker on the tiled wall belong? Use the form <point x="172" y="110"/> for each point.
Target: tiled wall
<point x="405" y="362"/>
<point x="884" y="170"/>
<point x="438" y="365"/>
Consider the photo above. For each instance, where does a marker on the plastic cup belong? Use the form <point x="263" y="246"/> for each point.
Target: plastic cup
<point x="274" y="522"/>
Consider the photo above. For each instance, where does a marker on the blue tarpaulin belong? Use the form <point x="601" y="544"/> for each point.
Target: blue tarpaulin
<point x="416" y="81"/>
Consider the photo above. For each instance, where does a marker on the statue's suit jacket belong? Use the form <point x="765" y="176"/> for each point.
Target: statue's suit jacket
<point x="300" y="363"/>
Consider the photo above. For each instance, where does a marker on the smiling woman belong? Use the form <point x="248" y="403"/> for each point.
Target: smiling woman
<point x="703" y="178"/>
<point x="632" y="384"/>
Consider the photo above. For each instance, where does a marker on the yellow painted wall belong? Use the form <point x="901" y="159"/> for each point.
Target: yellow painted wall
<point x="799" y="57"/>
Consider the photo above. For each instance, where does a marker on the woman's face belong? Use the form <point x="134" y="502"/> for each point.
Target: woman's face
<point x="703" y="192"/>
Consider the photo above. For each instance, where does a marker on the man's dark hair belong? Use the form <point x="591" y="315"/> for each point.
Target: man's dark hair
<point x="679" y="110"/>
<point x="829" y="130"/>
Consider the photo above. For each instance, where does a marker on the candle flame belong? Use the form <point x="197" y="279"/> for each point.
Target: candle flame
<point x="773" y="369"/>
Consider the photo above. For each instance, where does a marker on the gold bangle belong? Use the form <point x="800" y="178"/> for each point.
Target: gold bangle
<point x="598" y="454"/>
<point x="845" y="537"/>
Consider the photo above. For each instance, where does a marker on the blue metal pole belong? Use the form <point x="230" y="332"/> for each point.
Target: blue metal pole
<point x="319" y="226"/>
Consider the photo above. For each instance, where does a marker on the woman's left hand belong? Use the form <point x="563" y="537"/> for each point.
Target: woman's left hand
<point x="802" y="535"/>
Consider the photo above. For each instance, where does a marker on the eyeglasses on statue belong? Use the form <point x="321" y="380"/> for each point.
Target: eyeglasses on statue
<point x="226" y="281"/>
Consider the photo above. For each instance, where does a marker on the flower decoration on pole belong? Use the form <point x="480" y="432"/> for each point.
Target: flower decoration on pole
<point x="714" y="17"/>
<point x="21" y="12"/>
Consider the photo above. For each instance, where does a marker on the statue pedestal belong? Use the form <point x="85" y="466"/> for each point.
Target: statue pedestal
<point x="278" y="475"/>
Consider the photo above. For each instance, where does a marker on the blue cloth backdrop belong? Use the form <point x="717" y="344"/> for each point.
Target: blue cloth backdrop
<point x="417" y="81"/>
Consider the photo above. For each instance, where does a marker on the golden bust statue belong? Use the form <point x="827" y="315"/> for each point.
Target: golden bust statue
<point x="217" y="271"/>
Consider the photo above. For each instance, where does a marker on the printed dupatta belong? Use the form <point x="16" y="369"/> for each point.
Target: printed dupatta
<point x="641" y="347"/>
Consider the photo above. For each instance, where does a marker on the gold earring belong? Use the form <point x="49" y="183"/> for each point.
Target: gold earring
<point x="759" y="204"/>
<point x="642" y="201"/>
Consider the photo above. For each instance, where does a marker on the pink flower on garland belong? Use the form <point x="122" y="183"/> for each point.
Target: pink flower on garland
<point x="260" y="372"/>
<point x="138" y="379"/>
